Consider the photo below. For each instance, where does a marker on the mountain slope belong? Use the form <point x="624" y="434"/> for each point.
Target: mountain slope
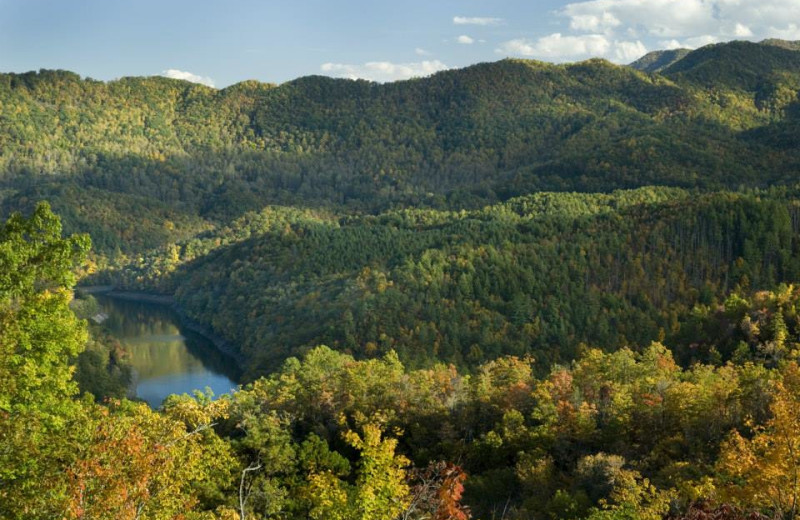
<point x="539" y="275"/>
<point x="460" y="138"/>
<point x="657" y="61"/>
<point x="459" y="260"/>
<point x="742" y="66"/>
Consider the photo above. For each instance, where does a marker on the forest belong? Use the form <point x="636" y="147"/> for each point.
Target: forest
<point x="512" y="291"/>
<point x="631" y="433"/>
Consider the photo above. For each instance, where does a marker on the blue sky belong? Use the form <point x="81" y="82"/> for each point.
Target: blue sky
<point x="221" y="42"/>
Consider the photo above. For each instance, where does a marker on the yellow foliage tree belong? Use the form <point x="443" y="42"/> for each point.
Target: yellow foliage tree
<point x="764" y="471"/>
<point x="380" y="490"/>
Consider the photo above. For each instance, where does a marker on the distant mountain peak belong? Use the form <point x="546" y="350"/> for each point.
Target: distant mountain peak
<point x="657" y="61"/>
<point x="783" y="44"/>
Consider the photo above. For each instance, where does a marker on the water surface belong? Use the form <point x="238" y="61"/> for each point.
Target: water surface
<point x="166" y="358"/>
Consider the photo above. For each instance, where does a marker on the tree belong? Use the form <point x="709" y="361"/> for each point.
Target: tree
<point x="39" y="335"/>
<point x="141" y="464"/>
<point x="633" y="498"/>
<point x="764" y="471"/>
<point x="380" y="490"/>
<point x="437" y="493"/>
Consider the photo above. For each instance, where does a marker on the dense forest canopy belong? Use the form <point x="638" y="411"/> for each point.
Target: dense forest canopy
<point x="622" y="435"/>
<point x="458" y="139"/>
<point x="515" y="290"/>
<point x="541" y="274"/>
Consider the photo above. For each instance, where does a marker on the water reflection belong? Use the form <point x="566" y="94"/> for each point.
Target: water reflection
<point x="166" y="359"/>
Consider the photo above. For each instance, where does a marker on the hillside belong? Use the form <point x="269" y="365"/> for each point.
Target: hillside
<point x="791" y="45"/>
<point x="516" y="290"/>
<point x="656" y="61"/>
<point x="640" y="432"/>
<point x="539" y="275"/>
<point x="171" y="179"/>
<point x="770" y="72"/>
<point x="459" y="139"/>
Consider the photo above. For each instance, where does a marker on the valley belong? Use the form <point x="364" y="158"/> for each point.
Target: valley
<point x="512" y="290"/>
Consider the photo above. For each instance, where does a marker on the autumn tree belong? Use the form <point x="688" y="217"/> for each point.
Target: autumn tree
<point x="39" y="335"/>
<point x="380" y="489"/>
<point x="764" y="471"/>
<point x="141" y="464"/>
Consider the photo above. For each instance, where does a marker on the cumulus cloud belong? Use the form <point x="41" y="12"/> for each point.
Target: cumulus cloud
<point x="789" y="32"/>
<point x="700" y="41"/>
<point x="559" y="47"/>
<point x="742" y="31"/>
<point x="383" y="70"/>
<point x="688" y="43"/>
<point x="465" y="40"/>
<point x="594" y="22"/>
<point x="671" y="45"/>
<point x="663" y="18"/>
<point x="620" y="29"/>
<point x="684" y="19"/>
<point x="419" y="51"/>
<point x="627" y="52"/>
<point x="188" y="76"/>
<point x="476" y="20"/>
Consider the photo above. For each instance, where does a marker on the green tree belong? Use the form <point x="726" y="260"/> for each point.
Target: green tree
<point x="39" y="335"/>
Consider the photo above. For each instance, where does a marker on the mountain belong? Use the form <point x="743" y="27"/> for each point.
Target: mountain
<point x="172" y="179"/>
<point x="458" y="139"/>
<point x="576" y="282"/>
<point x="657" y="61"/>
<point x="785" y="44"/>
<point x="763" y="70"/>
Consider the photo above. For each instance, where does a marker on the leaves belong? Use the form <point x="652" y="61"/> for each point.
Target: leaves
<point x="764" y="471"/>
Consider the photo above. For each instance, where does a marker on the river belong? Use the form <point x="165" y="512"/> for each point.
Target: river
<point x="166" y="358"/>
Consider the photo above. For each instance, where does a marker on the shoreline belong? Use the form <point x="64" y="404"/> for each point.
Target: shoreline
<point x="221" y="344"/>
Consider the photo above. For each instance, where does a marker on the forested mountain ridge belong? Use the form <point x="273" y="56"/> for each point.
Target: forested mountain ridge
<point x="659" y="61"/>
<point x="495" y="350"/>
<point x="656" y="61"/>
<point x="761" y="69"/>
<point x="158" y="171"/>
<point x="459" y="138"/>
<point x="538" y="275"/>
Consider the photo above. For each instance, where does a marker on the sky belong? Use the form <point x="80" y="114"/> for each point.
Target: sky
<point x="222" y="42"/>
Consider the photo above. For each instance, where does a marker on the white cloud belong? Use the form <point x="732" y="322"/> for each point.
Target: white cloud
<point x="593" y="23"/>
<point x="700" y="41"/>
<point x="188" y="76"/>
<point x="679" y="20"/>
<point x="664" y="18"/>
<point x="789" y="32"/>
<point x="742" y="31"/>
<point x="671" y="45"/>
<point x="688" y="43"/>
<point x="627" y="52"/>
<point x="558" y="47"/>
<point x="383" y="70"/>
<point x="476" y="20"/>
<point x="419" y="51"/>
<point x="465" y="40"/>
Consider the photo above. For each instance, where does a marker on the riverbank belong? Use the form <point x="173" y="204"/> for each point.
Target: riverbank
<point x="220" y="343"/>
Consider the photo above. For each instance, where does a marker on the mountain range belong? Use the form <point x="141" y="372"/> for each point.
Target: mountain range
<point x="186" y="189"/>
